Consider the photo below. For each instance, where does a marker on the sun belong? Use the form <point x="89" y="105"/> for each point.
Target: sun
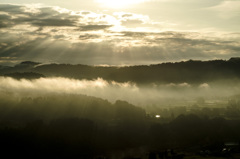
<point x="119" y="3"/>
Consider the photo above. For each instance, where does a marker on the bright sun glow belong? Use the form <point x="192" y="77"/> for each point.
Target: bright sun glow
<point x="119" y="3"/>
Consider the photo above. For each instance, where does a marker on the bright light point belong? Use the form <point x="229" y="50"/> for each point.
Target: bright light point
<point x="157" y="116"/>
<point x="118" y="3"/>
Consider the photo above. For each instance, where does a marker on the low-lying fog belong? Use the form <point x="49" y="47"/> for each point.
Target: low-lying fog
<point x="139" y="95"/>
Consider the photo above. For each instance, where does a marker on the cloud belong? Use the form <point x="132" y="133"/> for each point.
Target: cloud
<point x="10" y="8"/>
<point x="204" y="85"/>
<point x="94" y="27"/>
<point x="5" y="21"/>
<point x="227" y="9"/>
<point x="35" y="16"/>
<point x="128" y="48"/>
<point x="53" y="34"/>
<point x="127" y="15"/>
<point x="54" y="22"/>
<point x="89" y="36"/>
<point x="135" y="34"/>
<point x="99" y="87"/>
<point x="112" y="91"/>
<point x="52" y="16"/>
<point x="134" y="20"/>
<point x="132" y="23"/>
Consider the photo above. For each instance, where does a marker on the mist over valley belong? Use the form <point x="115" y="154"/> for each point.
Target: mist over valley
<point x="82" y="111"/>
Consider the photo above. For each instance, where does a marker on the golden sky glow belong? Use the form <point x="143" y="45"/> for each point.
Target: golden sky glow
<point x="123" y="32"/>
<point x="119" y="3"/>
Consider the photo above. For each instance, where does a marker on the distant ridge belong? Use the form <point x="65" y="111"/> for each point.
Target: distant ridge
<point x="25" y="75"/>
<point x="191" y="71"/>
<point x="235" y="59"/>
<point x="29" y="63"/>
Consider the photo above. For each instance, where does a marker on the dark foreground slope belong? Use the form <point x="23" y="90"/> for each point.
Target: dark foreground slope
<point x="78" y="126"/>
<point x="179" y="72"/>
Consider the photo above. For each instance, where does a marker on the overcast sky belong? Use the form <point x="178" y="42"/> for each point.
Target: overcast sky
<point x="126" y="32"/>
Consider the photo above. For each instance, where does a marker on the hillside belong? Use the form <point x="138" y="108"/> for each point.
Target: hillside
<point x="189" y="71"/>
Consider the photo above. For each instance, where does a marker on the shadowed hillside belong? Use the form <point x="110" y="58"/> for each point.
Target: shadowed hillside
<point x="78" y="126"/>
<point x="189" y="71"/>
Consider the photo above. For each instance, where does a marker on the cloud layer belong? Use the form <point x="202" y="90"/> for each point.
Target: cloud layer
<point x="54" y="34"/>
<point x="162" y="95"/>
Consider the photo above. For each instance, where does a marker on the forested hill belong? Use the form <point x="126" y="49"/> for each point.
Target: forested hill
<point x="190" y="71"/>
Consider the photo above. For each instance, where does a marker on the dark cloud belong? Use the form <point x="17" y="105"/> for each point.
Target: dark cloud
<point x="48" y="17"/>
<point x="14" y="9"/>
<point x="89" y="36"/>
<point x="134" y="34"/>
<point x="59" y="37"/>
<point x="184" y="41"/>
<point x="54" y="22"/>
<point x="167" y="34"/>
<point x="94" y="27"/>
<point x="49" y="12"/>
<point x="5" y="21"/>
<point x="46" y="12"/>
<point x="174" y="34"/>
<point x="44" y="17"/>
<point x="181" y="39"/>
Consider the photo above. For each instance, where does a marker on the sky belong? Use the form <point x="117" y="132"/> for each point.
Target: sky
<point x="126" y="32"/>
